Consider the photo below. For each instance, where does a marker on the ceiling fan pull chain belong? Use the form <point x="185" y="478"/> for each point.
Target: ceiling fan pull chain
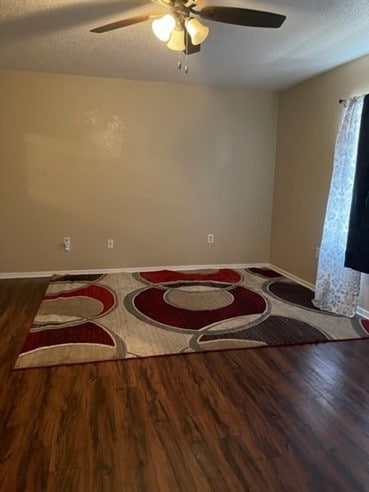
<point x="186" y="60"/>
<point x="179" y="64"/>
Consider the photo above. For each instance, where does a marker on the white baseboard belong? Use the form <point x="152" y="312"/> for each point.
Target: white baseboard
<point x="362" y="312"/>
<point x="49" y="273"/>
<point x="299" y="280"/>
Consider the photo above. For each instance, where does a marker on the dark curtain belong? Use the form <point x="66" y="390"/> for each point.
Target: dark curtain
<point x="357" y="248"/>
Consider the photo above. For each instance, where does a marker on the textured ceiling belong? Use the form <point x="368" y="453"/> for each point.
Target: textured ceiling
<point x="53" y="36"/>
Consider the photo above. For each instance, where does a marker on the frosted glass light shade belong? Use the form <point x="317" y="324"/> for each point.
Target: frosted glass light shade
<point x="196" y="30"/>
<point x="163" y="27"/>
<point x="177" y="41"/>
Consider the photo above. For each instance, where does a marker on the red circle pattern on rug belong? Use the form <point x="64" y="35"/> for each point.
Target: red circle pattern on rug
<point x="152" y="304"/>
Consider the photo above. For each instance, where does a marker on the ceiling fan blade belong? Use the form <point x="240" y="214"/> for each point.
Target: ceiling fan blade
<point x="242" y="17"/>
<point x="126" y="22"/>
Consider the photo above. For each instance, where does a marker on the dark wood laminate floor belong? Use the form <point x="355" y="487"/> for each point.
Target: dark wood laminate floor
<point x="275" y="419"/>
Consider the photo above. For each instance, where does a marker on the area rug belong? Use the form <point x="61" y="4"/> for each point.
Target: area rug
<point x="89" y="318"/>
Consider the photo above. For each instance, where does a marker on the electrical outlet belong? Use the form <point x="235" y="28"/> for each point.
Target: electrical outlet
<point x="110" y="243"/>
<point x="67" y="244"/>
<point x="210" y="238"/>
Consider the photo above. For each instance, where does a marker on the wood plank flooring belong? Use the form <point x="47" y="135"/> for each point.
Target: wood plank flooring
<point x="274" y="419"/>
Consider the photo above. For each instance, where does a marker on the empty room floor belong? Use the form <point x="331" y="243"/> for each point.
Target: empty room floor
<point x="293" y="418"/>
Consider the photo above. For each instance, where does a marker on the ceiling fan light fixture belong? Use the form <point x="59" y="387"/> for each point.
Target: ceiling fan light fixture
<point x="177" y="40"/>
<point x="163" y="27"/>
<point x="196" y="30"/>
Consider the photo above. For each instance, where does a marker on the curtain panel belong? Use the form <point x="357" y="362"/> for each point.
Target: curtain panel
<point x="337" y="287"/>
<point x="357" y="250"/>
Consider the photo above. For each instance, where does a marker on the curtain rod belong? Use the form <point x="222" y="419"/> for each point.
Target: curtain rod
<point x="343" y="101"/>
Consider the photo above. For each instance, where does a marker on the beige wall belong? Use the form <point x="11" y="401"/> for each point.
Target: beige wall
<point x="156" y="167"/>
<point x="307" y="126"/>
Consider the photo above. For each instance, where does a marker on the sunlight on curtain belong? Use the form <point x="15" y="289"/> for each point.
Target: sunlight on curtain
<point x="337" y="287"/>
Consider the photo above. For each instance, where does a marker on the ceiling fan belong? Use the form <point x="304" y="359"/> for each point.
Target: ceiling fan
<point x="180" y="29"/>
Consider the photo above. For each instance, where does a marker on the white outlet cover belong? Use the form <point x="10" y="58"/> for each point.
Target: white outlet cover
<point x="67" y="243"/>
